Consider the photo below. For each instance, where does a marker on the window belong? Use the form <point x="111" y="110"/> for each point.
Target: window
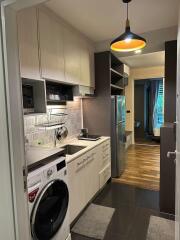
<point x="159" y="105"/>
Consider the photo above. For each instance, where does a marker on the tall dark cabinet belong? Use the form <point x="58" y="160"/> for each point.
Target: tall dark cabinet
<point x="110" y="80"/>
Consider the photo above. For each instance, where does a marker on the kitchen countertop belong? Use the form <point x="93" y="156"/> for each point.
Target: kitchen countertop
<point x="40" y="153"/>
<point x="89" y="145"/>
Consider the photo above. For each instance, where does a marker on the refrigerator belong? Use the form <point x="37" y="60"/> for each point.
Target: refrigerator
<point x="118" y="136"/>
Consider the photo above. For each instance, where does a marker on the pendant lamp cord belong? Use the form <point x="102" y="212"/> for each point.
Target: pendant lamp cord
<point x="127" y="11"/>
<point x="127" y="20"/>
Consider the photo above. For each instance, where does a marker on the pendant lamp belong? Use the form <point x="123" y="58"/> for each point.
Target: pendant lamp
<point x="128" y="41"/>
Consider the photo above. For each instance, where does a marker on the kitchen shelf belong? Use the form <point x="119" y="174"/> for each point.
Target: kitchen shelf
<point x="56" y="102"/>
<point x="116" y="74"/>
<point x="36" y="97"/>
<point x="49" y="126"/>
<point x="59" y="114"/>
<point x="116" y="87"/>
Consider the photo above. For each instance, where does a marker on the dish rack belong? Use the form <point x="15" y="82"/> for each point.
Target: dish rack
<point x="56" y="118"/>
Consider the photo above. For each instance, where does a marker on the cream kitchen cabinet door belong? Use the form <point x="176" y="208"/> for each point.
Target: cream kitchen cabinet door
<point x="71" y="57"/>
<point x="51" y="47"/>
<point x="92" y="177"/>
<point x="85" y="64"/>
<point x="28" y="43"/>
<point x="92" y="66"/>
<point x="105" y="152"/>
<point x="83" y="175"/>
<point x="77" y="186"/>
<point x="104" y="163"/>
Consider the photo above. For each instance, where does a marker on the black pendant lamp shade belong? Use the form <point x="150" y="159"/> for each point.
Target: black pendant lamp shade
<point x="128" y="41"/>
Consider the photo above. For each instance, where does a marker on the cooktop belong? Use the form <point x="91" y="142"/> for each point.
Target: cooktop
<point x="89" y="137"/>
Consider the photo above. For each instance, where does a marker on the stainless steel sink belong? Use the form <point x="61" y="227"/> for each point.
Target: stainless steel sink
<point x="72" y="149"/>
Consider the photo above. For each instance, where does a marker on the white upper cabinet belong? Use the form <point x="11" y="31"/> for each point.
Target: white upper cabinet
<point x="28" y="43"/>
<point x="92" y="68"/>
<point x="51" y="47"/>
<point x="85" y="65"/>
<point x="71" y="57"/>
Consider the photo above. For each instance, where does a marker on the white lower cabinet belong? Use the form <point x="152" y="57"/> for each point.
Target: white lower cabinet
<point x="77" y="186"/>
<point x="88" y="174"/>
<point x="91" y="171"/>
<point x="104" y="175"/>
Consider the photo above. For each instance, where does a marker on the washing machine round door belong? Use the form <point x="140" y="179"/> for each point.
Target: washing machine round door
<point x="49" y="210"/>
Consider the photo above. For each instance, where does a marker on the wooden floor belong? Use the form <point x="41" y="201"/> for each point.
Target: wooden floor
<point x="142" y="167"/>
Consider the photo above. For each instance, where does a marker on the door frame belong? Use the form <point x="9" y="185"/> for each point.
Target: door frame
<point x="177" y="224"/>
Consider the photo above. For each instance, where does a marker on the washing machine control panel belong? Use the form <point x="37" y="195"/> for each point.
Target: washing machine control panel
<point x="49" y="172"/>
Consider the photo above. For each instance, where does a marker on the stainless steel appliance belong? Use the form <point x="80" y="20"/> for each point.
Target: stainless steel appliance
<point x="118" y="138"/>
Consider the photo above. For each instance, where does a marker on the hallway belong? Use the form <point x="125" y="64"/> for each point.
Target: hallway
<point x="133" y="208"/>
<point x="142" y="167"/>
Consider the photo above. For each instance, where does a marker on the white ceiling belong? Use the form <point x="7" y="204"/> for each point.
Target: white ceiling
<point x="105" y="19"/>
<point x="145" y="60"/>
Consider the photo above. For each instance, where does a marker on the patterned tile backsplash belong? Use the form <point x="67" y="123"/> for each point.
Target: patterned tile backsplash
<point x="72" y="121"/>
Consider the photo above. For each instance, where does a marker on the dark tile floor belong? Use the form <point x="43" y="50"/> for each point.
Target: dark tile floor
<point x="133" y="208"/>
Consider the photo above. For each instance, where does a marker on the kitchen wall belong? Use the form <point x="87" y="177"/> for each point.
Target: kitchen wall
<point x="138" y="74"/>
<point x="37" y="136"/>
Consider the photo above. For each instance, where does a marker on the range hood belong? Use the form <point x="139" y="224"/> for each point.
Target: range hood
<point x="83" y="91"/>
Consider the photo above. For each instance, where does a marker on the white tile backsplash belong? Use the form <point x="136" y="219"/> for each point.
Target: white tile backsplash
<point x="38" y="136"/>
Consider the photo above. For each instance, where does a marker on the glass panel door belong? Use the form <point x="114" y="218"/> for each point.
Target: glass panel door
<point x="50" y="210"/>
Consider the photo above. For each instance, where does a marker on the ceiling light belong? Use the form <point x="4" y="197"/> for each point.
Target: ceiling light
<point x="138" y="51"/>
<point x="128" y="41"/>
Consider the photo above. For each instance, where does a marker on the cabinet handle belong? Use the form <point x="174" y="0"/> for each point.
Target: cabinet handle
<point x="79" y="163"/>
<point x="90" y="160"/>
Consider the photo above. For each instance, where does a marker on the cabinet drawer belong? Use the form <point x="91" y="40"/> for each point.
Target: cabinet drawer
<point x="80" y="163"/>
<point x="105" y="157"/>
<point x="104" y="175"/>
<point x="105" y="161"/>
<point x="84" y="160"/>
<point x="106" y="147"/>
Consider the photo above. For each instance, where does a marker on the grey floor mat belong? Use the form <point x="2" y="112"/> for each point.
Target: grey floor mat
<point x="160" y="229"/>
<point x="94" y="221"/>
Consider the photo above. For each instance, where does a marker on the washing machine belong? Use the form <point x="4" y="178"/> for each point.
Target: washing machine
<point x="48" y="198"/>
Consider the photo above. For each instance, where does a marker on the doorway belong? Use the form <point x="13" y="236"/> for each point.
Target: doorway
<point x="148" y="110"/>
<point x="143" y="158"/>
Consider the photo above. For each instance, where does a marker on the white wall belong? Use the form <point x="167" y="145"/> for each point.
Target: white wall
<point x="135" y="75"/>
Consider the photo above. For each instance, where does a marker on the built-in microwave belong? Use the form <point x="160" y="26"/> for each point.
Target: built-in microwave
<point x="28" y="98"/>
